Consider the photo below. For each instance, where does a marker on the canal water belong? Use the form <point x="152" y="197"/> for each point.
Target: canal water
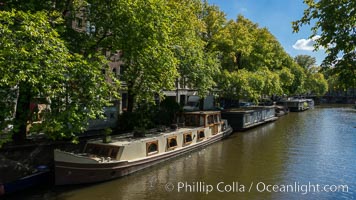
<point x="307" y="155"/>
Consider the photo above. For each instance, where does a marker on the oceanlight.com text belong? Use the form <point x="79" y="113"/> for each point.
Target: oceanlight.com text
<point x="261" y="187"/>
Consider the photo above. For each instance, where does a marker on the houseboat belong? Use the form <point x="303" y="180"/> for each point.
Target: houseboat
<point x="296" y="105"/>
<point x="248" y="117"/>
<point x="126" y="154"/>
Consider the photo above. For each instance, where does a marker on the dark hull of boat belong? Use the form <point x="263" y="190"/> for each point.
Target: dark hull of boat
<point x="39" y="178"/>
<point x="76" y="173"/>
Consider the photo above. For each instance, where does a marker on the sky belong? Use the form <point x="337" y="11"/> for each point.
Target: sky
<point x="277" y="17"/>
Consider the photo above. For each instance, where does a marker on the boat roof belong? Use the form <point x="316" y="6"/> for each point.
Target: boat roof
<point x="127" y="138"/>
<point x="248" y="109"/>
<point x="204" y="112"/>
<point x="294" y="100"/>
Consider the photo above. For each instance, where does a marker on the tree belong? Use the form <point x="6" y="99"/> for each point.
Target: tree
<point x="241" y="84"/>
<point x="141" y="30"/>
<point x="335" y="23"/>
<point x="244" y="84"/>
<point x="266" y="51"/>
<point x="198" y="62"/>
<point x="287" y="78"/>
<point x="272" y="84"/>
<point x="241" y="34"/>
<point x="316" y="84"/>
<point x="35" y="63"/>
<point x="305" y="61"/>
<point x="298" y="85"/>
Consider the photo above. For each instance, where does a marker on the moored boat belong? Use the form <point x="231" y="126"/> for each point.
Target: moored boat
<point x="42" y="176"/>
<point x="297" y="105"/>
<point x="126" y="154"/>
<point x="249" y="117"/>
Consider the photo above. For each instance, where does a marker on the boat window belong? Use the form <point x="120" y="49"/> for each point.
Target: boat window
<point x="102" y="150"/>
<point x="201" y="135"/>
<point x="187" y="138"/>
<point x="114" y="152"/>
<point x="210" y="119"/>
<point x="216" y="119"/>
<point x="191" y="120"/>
<point x="152" y="147"/>
<point x="202" y="120"/>
<point x="89" y="149"/>
<point x="172" y="142"/>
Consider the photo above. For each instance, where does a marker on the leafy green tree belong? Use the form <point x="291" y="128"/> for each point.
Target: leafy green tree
<point x="316" y="84"/>
<point x="335" y="23"/>
<point x="34" y="62"/>
<point x="241" y="34"/>
<point x="214" y="20"/>
<point x="272" y="84"/>
<point x="197" y="62"/>
<point x="265" y="52"/>
<point x="142" y="31"/>
<point x="233" y="84"/>
<point x="259" y="54"/>
<point x="305" y="61"/>
<point x="298" y="85"/>
<point x="242" y="84"/>
<point x="287" y="78"/>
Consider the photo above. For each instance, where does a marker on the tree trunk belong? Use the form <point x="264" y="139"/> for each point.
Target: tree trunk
<point x="22" y="113"/>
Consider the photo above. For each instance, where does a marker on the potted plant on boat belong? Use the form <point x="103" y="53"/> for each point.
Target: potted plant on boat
<point x="139" y="132"/>
<point x="107" y="135"/>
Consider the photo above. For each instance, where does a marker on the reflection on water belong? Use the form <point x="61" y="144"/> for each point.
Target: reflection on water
<point x="302" y="151"/>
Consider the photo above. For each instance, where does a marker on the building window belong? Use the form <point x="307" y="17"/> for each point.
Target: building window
<point x="114" y="71"/>
<point x="112" y="115"/>
<point x="122" y="71"/>
<point x="79" y="22"/>
<point x="124" y="101"/>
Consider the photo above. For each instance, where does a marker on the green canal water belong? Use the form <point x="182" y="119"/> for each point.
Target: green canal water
<point x="307" y="155"/>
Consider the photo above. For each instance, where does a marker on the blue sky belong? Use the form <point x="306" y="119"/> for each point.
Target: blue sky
<point x="277" y="16"/>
